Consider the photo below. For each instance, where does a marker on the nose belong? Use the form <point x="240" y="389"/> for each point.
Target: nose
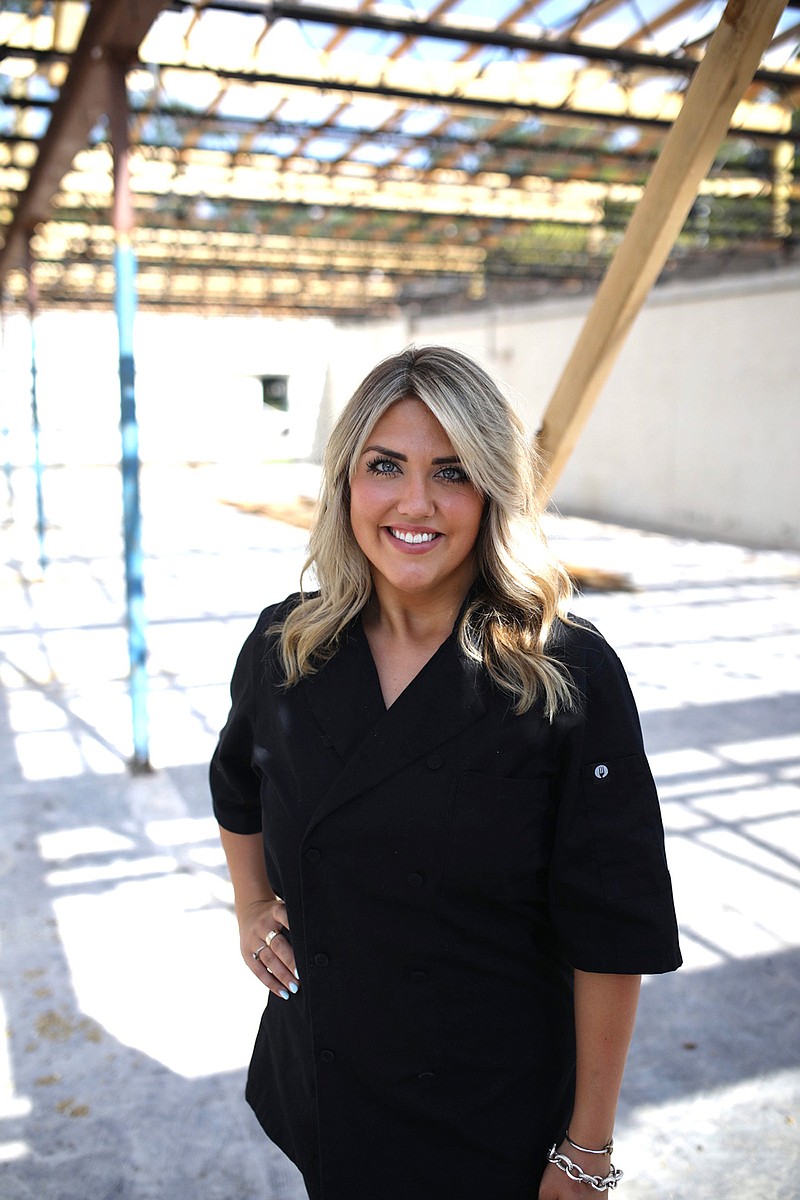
<point x="416" y="500"/>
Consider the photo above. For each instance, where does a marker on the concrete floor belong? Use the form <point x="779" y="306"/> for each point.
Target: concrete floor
<point x="129" y="1014"/>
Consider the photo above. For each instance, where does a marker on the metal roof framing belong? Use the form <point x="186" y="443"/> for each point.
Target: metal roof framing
<point x="416" y="27"/>
<point x="509" y="141"/>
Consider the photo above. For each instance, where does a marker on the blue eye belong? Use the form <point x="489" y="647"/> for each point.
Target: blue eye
<point x="453" y="474"/>
<point x="382" y="466"/>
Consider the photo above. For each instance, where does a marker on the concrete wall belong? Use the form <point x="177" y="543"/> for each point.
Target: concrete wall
<point x="698" y="428"/>
<point x="198" y="395"/>
<point x="696" y="431"/>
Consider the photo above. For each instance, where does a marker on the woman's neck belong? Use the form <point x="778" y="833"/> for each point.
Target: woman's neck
<point x="411" y="619"/>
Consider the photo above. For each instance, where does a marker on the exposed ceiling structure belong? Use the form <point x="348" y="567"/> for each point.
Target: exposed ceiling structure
<point x="354" y="157"/>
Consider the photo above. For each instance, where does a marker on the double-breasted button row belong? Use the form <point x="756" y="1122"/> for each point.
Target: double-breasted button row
<point x="327" y="1056"/>
<point x="321" y="960"/>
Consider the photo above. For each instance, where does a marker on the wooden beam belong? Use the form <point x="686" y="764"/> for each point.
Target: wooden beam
<point x="114" y="28"/>
<point x="726" y="70"/>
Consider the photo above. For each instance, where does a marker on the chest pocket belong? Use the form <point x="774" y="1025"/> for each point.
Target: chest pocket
<point x="500" y="837"/>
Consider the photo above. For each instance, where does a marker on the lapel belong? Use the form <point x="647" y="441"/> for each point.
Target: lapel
<point x="445" y="698"/>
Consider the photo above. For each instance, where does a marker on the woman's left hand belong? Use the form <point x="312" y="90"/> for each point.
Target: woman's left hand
<point x="264" y="921"/>
<point x="557" y="1185"/>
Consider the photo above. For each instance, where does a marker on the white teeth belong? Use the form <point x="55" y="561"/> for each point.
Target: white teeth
<point x="413" y="539"/>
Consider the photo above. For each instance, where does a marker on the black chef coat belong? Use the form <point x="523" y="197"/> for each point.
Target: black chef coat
<point x="445" y="865"/>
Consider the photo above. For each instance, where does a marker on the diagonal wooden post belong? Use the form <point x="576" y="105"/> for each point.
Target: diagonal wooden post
<point x="718" y="85"/>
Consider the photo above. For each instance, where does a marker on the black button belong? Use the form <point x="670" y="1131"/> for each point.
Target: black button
<point x="415" y="879"/>
<point x="326" y="741"/>
<point x="433" y="761"/>
<point x="313" y="855"/>
<point x="327" y="1055"/>
<point x="321" y="960"/>
<point x="425" y="1075"/>
<point x="419" y="976"/>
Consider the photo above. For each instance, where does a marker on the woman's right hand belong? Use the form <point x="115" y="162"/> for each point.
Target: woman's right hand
<point x="274" y="965"/>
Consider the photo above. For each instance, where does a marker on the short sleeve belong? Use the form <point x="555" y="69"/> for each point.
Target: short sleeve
<point x="234" y="779"/>
<point x="610" y="889"/>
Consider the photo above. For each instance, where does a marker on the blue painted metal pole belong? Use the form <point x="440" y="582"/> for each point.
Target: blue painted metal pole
<point x="125" y="305"/>
<point x="37" y="456"/>
<point x="125" y="267"/>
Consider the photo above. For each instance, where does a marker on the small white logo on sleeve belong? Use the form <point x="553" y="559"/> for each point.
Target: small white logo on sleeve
<point x="601" y="771"/>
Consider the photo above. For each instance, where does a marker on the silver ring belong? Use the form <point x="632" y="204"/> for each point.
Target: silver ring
<point x="257" y="953"/>
<point x="273" y="933"/>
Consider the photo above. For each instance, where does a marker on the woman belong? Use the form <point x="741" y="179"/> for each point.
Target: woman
<point x="443" y="836"/>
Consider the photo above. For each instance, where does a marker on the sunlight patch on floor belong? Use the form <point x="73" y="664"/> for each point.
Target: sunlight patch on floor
<point x="160" y="970"/>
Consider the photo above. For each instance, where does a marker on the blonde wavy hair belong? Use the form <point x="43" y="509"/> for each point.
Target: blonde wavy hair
<point x="521" y="588"/>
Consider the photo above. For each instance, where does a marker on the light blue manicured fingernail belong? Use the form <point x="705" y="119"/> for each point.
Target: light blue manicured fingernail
<point x="283" y="994"/>
<point x="297" y="977"/>
<point x="294" y="989"/>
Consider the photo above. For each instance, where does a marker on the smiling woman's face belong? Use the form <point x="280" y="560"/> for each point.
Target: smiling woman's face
<point x="413" y="511"/>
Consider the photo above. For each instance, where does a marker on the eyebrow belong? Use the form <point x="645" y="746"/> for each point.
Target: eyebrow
<point x="437" y="462"/>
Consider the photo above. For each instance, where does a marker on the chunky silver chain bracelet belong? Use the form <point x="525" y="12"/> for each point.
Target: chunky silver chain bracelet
<point x="598" y="1182"/>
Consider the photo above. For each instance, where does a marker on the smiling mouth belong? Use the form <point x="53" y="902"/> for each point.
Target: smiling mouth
<point x="413" y="539"/>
